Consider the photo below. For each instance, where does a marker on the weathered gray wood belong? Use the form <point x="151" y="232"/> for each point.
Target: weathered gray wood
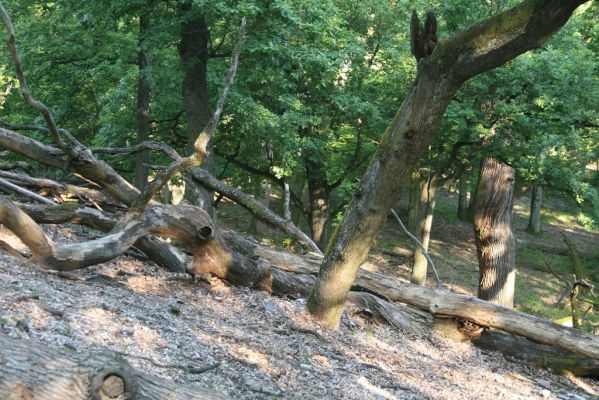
<point x="436" y="301"/>
<point x="33" y="371"/>
<point x="520" y="349"/>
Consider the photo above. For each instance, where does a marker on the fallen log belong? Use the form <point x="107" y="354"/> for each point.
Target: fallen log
<point x="282" y="273"/>
<point x="520" y="349"/>
<point x="436" y="301"/>
<point x="30" y="371"/>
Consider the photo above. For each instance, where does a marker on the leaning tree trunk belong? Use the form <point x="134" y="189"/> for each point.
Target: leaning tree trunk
<point x="463" y="197"/>
<point x="144" y="93"/>
<point x="534" y="222"/>
<point x="442" y="69"/>
<point x="429" y="193"/>
<point x="31" y="371"/>
<point x="495" y="244"/>
<point x="193" y="50"/>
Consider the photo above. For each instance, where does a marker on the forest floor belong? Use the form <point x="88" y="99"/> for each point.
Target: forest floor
<point x="263" y="347"/>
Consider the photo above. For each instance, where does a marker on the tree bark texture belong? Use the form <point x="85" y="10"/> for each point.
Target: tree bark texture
<point x="495" y="244"/>
<point x="482" y="47"/>
<point x="144" y="94"/>
<point x="32" y="371"/>
<point x="534" y="222"/>
<point x="429" y="194"/>
<point x="193" y="51"/>
<point x="98" y="172"/>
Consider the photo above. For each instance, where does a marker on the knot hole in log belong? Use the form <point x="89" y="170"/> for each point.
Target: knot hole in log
<point x="206" y="232"/>
<point x="423" y="39"/>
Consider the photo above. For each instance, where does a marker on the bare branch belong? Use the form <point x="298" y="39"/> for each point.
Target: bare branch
<point x="17" y="189"/>
<point x="201" y="143"/>
<point x="38" y="105"/>
<point x="424" y="252"/>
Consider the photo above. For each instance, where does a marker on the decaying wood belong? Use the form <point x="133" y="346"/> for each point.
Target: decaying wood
<point x="65" y="189"/>
<point x="520" y="349"/>
<point x="189" y="225"/>
<point x="31" y="371"/>
<point x="375" y="294"/>
<point x="258" y="209"/>
<point x="24" y="192"/>
<point x="436" y="301"/>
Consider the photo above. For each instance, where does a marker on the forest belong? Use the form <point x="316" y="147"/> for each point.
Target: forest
<point x="285" y="199"/>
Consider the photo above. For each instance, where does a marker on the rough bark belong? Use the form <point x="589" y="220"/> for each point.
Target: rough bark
<point x="495" y="244"/>
<point x="32" y="371"/>
<point x="463" y="197"/>
<point x="419" y="269"/>
<point x="534" y="222"/>
<point x="193" y="51"/>
<point x="144" y="94"/>
<point x="473" y="51"/>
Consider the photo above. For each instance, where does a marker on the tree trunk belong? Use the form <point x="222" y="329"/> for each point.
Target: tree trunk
<point x="414" y="207"/>
<point x="429" y="193"/>
<point x="193" y="51"/>
<point x="495" y="242"/>
<point x="144" y="93"/>
<point x="442" y="69"/>
<point x="463" y="197"/>
<point x="32" y="371"/>
<point x="534" y="222"/>
<point x="319" y="208"/>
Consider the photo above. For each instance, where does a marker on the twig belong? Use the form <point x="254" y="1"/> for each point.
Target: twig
<point x="424" y="252"/>
<point x="17" y="189"/>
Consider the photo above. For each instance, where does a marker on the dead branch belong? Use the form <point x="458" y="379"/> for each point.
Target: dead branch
<point x="424" y="252"/>
<point x="38" y="105"/>
<point x="201" y="142"/>
<point x="27" y="193"/>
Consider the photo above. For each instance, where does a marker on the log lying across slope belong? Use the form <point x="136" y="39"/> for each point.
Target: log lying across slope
<point x="31" y="371"/>
<point x="261" y="267"/>
<point x="435" y="301"/>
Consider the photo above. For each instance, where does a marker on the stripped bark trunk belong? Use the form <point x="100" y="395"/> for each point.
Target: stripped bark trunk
<point x="193" y="51"/>
<point x="442" y="69"/>
<point x="32" y="371"/>
<point x="429" y="194"/>
<point x="144" y="94"/>
<point x="534" y="222"/>
<point x="495" y="242"/>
